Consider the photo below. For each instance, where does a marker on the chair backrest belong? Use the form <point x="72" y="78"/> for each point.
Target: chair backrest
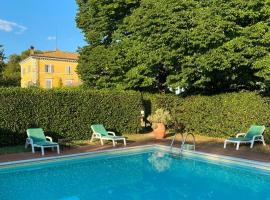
<point x="254" y="130"/>
<point x="99" y="128"/>
<point x="36" y="134"/>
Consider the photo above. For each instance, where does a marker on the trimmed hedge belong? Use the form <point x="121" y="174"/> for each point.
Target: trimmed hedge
<point x="65" y="112"/>
<point x="220" y="115"/>
<point x="69" y="112"/>
<point x="169" y="102"/>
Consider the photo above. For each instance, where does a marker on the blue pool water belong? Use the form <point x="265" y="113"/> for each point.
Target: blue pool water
<point x="140" y="175"/>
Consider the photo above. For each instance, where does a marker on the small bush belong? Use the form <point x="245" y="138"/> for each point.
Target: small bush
<point x="160" y="116"/>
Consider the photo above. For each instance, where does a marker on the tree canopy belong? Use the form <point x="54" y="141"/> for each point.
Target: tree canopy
<point x="2" y="58"/>
<point x="153" y="45"/>
<point x="11" y="71"/>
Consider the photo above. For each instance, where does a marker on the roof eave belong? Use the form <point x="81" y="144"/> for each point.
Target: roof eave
<point x="47" y="57"/>
<point x="24" y="60"/>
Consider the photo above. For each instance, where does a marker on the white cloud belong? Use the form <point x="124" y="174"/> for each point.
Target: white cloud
<point x="8" y="26"/>
<point x="51" y="38"/>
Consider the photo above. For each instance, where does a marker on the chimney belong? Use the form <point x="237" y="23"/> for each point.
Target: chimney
<point x="32" y="50"/>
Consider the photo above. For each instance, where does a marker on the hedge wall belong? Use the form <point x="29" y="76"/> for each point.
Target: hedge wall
<point x="220" y="115"/>
<point x="66" y="112"/>
<point x="69" y="112"/>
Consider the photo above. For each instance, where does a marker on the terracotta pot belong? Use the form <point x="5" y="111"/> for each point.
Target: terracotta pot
<point x="159" y="132"/>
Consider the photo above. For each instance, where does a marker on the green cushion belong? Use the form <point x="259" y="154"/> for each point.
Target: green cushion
<point x="46" y="143"/>
<point x="239" y="139"/>
<point x="36" y="134"/>
<point x="113" y="137"/>
<point x="254" y="130"/>
<point x="99" y="128"/>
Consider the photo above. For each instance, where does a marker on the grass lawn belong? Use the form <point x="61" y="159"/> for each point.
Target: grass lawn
<point x="13" y="149"/>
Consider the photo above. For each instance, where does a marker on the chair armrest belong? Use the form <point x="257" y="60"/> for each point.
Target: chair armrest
<point x="256" y="136"/>
<point x="29" y="141"/>
<point x="49" y="138"/>
<point x="96" y="135"/>
<point x="111" y="133"/>
<point x="240" y="134"/>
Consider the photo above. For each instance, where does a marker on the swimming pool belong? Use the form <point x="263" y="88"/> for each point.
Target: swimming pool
<point x="135" y="173"/>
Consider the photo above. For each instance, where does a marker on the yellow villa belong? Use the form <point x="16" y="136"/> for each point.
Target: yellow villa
<point x="50" y="69"/>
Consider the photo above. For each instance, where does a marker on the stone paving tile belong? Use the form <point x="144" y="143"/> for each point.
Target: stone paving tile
<point x="244" y="152"/>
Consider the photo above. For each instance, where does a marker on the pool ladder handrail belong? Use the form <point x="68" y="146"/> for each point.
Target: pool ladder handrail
<point x="183" y="139"/>
<point x="174" y="137"/>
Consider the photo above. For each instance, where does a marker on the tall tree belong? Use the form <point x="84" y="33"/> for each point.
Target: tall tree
<point x="12" y="70"/>
<point x="200" y="46"/>
<point x="11" y="74"/>
<point x="2" y="58"/>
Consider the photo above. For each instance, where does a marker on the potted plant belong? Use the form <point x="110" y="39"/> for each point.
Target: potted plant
<point x="159" y="119"/>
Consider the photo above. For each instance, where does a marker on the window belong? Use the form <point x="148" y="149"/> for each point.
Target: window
<point x="48" y="68"/>
<point x="68" y="69"/>
<point x="68" y="83"/>
<point x="48" y="83"/>
<point x="28" y="69"/>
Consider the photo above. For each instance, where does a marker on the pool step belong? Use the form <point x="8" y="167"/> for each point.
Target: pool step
<point x="184" y="146"/>
<point x="175" y="156"/>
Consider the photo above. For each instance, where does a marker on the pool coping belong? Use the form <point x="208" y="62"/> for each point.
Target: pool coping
<point x="74" y="155"/>
<point x="218" y="159"/>
<point x="222" y="159"/>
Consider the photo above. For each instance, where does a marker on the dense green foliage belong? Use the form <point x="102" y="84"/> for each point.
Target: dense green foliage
<point x="12" y="71"/>
<point x="5" y="81"/>
<point x="150" y="45"/>
<point x="160" y="116"/>
<point x="220" y="115"/>
<point x="69" y="112"/>
<point x="65" y="113"/>
<point x="2" y="57"/>
<point x="11" y="75"/>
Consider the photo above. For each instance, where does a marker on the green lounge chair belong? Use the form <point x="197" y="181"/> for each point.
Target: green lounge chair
<point x="36" y="138"/>
<point x="254" y="133"/>
<point x="99" y="132"/>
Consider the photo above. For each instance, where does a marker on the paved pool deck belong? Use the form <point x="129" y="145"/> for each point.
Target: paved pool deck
<point x="217" y="148"/>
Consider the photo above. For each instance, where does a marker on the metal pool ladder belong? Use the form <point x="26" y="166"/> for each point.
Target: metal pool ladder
<point x="184" y="146"/>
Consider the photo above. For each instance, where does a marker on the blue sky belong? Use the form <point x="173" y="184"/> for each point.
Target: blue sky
<point x="38" y="22"/>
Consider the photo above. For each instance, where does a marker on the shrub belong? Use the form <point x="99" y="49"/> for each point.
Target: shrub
<point x="65" y="112"/>
<point x="69" y="112"/>
<point x="168" y="102"/>
<point x="220" y="115"/>
<point x="160" y="116"/>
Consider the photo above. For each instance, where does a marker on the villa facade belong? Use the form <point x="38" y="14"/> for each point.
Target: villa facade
<point x="50" y="69"/>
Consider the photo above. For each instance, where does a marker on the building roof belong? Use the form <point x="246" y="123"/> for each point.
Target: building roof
<point x="57" y="54"/>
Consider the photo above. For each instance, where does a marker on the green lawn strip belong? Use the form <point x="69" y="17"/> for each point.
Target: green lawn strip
<point x="13" y="149"/>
